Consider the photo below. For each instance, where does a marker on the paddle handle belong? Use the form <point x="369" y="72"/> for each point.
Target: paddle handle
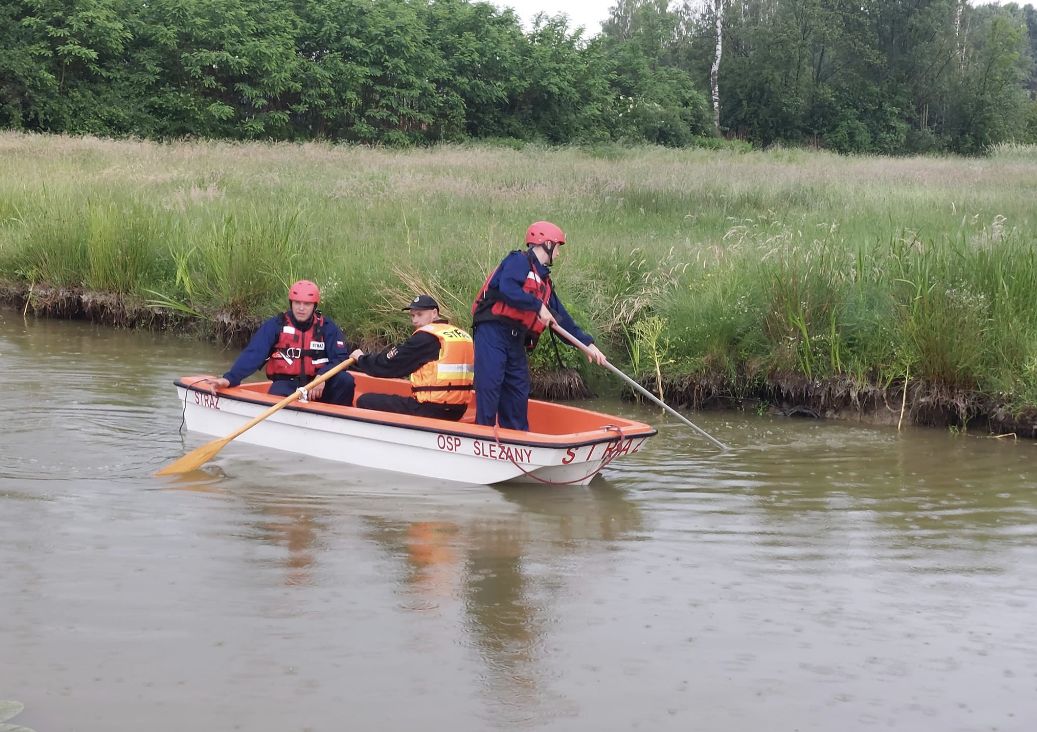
<point x="201" y="455"/>
<point x="634" y="385"/>
<point x="289" y="399"/>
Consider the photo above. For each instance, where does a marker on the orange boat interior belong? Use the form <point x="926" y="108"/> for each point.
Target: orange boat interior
<point x="548" y="422"/>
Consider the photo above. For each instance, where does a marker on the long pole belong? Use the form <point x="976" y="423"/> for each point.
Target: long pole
<point x="634" y="385"/>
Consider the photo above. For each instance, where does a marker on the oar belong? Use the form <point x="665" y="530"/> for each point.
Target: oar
<point x="572" y="339"/>
<point x="201" y="455"/>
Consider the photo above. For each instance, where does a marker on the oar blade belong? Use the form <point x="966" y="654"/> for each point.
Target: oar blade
<point x="196" y="458"/>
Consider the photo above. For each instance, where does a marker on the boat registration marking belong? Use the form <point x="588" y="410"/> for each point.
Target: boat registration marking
<point x="612" y="450"/>
<point x="480" y="448"/>
<point x="206" y="400"/>
<point x="502" y="452"/>
<point x="448" y="443"/>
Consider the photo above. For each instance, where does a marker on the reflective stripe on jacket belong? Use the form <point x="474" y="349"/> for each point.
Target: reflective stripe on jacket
<point x="448" y="379"/>
<point x="298" y="352"/>
<point x="489" y="305"/>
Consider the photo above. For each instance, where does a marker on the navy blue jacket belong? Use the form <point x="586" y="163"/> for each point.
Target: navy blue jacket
<point x="508" y="281"/>
<point x="261" y="345"/>
<point x="403" y="359"/>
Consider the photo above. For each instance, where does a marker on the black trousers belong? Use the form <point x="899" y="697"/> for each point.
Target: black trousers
<point x="337" y="390"/>
<point x="410" y="405"/>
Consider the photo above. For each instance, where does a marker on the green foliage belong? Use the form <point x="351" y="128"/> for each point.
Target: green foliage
<point x="657" y="100"/>
<point x="649" y="346"/>
<point x="738" y="266"/>
<point x="119" y="249"/>
<point x="882" y="76"/>
<point x="990" y="105"/>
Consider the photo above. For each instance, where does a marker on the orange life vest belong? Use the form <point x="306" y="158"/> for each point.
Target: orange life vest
<point x="298" y="352"/>
<point x="448" y="379"/>
<point x="488" y="299"/>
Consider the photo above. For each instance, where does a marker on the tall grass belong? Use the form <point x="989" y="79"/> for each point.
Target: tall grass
<point x="754" y="264"/>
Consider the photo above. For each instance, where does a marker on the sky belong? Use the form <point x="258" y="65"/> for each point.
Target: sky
<point x="588" y="13"/>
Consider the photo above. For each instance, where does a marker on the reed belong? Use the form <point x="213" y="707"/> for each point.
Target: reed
<point x="758" y="266"/>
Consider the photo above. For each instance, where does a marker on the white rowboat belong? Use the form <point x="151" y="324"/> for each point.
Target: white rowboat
<point x="565" y="445"/>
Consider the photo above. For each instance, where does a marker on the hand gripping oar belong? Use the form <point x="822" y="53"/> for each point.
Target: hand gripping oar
<point x="634" y="385"/>
<point x="201" y="455"/>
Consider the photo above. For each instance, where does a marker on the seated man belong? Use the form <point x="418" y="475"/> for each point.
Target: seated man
<point x="438" y="357"/>
<point x="296" y="346"/>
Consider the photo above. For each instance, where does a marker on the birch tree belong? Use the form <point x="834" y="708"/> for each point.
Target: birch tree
<point x="714" y="71"/>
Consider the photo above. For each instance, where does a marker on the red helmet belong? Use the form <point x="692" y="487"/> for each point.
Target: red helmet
<point x="304" y="291"/>
<point x="544" y="232"/>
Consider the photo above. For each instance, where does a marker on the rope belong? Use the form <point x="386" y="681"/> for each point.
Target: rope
<point x="558" y="356"/>
<point x="183" y="414"/>
<point x="607" y="459"/>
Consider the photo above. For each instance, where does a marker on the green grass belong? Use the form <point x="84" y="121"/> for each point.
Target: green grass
<point x="756" y="264"/>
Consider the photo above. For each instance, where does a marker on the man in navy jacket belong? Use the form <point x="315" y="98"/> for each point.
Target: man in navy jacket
<point x="516" y="303"/>
<point x="296" y="346"/>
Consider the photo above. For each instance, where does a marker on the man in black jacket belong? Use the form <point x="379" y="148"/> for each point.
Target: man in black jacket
<point x="438" y="358"/>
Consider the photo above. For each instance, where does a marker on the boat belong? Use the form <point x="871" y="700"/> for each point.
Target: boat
<point x="565" y="445"/>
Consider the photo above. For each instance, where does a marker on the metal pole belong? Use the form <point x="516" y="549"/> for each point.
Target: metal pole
<point x="634" y="385"/>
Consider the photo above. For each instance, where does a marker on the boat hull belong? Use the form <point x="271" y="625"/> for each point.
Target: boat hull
<point x="429" y="448"/>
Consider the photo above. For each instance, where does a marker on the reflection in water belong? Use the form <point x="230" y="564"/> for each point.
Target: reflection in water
<point x="499" y="568"/>
<point x="504" y="620"/>
<point x="492" y="565"/>
<point x="295" y="529"/>
<point x="432" y="555"/>
<point x="280" y="518"/>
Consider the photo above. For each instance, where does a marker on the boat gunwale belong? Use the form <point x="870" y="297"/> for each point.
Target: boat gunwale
<point x="637" y="429"/>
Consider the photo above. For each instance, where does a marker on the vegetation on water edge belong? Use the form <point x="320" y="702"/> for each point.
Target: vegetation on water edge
<point x="793" y="276"/>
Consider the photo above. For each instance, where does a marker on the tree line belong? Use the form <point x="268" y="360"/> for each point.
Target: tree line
<point x="884" y="76"/>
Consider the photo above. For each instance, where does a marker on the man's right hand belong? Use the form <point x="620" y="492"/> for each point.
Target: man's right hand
<point x="217" y="383"/>
<point x="545" y="316"/>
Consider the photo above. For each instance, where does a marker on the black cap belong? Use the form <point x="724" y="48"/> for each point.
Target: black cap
<point x="423" y="302"/>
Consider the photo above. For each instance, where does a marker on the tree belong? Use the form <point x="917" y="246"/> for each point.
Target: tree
<point x="990" y="104"/>
<point x="656" y="95"/>
<point x="714" y="70"/>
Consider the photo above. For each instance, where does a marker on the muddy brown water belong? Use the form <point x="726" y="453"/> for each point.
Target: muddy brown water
<point x="820" y="576"/>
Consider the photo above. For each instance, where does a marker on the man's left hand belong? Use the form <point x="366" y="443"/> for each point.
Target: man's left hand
<point x="316" y="391"/>
<point x="594" y="355"/>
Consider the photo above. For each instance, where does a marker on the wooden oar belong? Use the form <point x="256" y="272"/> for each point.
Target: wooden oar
<point x="201" y="455"/>
<point x="633" y="384"/>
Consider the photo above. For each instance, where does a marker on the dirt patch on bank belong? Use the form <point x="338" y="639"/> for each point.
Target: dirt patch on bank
<point x="225" y="327"/>
<point x="843" y="398"/>
<point x="75" y="304"/>
<point x="124" y="311"/>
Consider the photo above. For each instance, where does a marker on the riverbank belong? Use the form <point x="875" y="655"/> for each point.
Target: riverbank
<point x="834" y="398"/>
<point x="789" y="280"/>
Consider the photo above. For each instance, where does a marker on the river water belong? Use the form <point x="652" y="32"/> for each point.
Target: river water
<point x="820" y="576"/>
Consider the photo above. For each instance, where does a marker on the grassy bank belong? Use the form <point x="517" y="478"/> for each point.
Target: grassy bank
<point x="798" y="277"/>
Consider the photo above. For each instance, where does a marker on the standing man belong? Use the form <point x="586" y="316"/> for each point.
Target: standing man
<point x="516" y="303"/>
<point x="437" y="358"/>
<point x="296" y="346"/>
